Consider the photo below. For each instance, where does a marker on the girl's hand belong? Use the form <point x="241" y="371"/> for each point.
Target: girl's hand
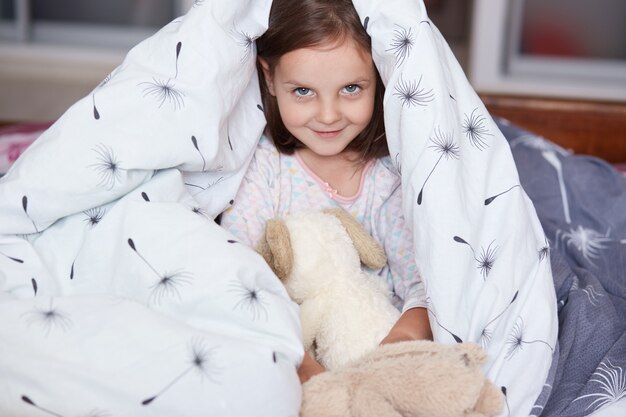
<point x="413" y="324"/>
<point x="309" y="368"/>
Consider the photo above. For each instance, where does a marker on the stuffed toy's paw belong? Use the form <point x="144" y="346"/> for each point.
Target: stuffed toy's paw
<point x="416" y="379"/>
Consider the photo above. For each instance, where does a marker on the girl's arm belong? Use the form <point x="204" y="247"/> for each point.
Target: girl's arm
<point x="309" y="368"/>
<point x="413" y="324"/>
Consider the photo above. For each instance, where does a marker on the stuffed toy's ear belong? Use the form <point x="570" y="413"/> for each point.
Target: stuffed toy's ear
<point x="370" y="251"/>
<point x="275" y="247"/>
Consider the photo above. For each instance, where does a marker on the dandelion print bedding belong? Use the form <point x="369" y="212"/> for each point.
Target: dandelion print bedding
<point x="118" y="288"/>
<point x="580" y="201"/>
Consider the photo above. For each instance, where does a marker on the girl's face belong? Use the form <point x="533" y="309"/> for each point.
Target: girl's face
<point x="325" y="95"/>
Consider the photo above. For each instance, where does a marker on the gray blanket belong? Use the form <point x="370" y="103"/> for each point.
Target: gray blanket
<point x="581" y="202"/>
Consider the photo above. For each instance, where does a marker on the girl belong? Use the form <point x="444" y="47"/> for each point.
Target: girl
<point x="326" y="146"/>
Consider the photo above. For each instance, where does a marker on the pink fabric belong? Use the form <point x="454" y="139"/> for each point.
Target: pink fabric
<point x="15" y="139"/>
<point x="621" y="168"/>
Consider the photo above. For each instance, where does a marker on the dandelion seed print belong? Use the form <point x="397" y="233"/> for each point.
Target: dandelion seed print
<point x="485" y="336"/>
<point x="475" y="129"/>
<point x="108" y="167"/>
<point x="145" y="197"/>
<point x="179" y="47"/>
<point x="164" y="91"/>
<point x="412" y="94"/>
<point x="454" y="336"/>
<point x="251" y="300"/>
<point x="485" y="259"/>
<point x="96" y="113"/>
<point x="612" y="385"/>
<point x="18" y="260"/>
<point x="554" y="160"/>
<point x="93" y="413"/>
<point x="402" y="43"/>
<point x="536" y="411"/>
<point x="25" y="208"/>
<point x="279" y="356"/>
<point x="544" y="251"/>
<point x="592" y="294"/>
<point x="515" y="341"/>
<point x="366" y="22"/>
<point x="48" y="318"/>
<point x="194" y="141"/>
<point x="490" y="199"/>
<point x="506" y="400"/>
<point x="94" y="216"/>
<point x="30" y="402"/>
<point x="199" y="211"/>
<point x="209" y="185"/>
<point x="258" y="106"/>
<point x="33" y="282"/>
<point x="167" y="284"/>
<point x="444" y="144"/>
<point x="202" y="361"/>
<point x="588" y="242"/>
<point x="246" y="41"/>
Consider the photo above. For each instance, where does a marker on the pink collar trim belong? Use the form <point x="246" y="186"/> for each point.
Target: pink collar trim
<point x="332" y="193"/>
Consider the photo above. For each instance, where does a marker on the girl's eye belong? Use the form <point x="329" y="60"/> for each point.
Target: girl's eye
<point x="302" y="92"/>
<point x="352" y="89"/>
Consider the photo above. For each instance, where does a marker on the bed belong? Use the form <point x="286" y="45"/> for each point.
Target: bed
<point x="115" y="277"/>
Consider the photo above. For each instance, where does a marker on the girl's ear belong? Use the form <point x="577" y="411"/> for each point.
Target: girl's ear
<point x="267" y="74"/>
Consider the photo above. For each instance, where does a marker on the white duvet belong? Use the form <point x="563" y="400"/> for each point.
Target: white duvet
<point x="121" y="297"/>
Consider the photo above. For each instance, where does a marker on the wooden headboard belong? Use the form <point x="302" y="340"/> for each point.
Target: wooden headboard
<point x="585" y="127"/>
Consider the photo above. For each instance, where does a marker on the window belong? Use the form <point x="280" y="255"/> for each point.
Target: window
<point x="111" y="23"/>
<point x="557" y="48"/>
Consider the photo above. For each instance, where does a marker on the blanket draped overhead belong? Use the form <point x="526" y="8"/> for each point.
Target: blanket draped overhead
<point x="120" y="294"/>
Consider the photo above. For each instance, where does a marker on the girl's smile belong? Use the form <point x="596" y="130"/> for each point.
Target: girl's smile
<point x="329" y="134"/>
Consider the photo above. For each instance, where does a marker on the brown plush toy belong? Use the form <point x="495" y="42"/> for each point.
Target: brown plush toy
<point x="345" y="313"/>
<point x="406" y="379"/>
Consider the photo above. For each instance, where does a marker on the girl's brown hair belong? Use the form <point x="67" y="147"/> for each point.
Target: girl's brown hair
<point x="296" y="24"/>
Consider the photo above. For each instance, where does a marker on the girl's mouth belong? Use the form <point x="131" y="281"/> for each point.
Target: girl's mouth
<point x="328" y="134"/>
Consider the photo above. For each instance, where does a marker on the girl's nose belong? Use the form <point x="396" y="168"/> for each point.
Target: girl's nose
<point x="328" y="112"/>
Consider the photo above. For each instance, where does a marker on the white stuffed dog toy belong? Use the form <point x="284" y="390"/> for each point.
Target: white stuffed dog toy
<point x="345" y="312"/>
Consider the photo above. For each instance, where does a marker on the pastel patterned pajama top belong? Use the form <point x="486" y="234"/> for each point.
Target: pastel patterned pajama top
<point x="277" y="184"/>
